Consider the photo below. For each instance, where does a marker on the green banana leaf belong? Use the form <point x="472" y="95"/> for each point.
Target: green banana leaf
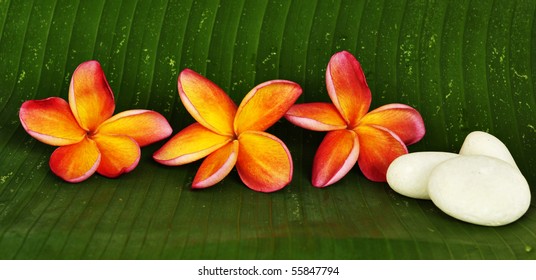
<point x="465" y="65"/>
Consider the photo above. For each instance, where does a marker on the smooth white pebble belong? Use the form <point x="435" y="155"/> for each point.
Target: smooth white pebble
<point x="479" y="189"/>
<point x="408" y="174"/>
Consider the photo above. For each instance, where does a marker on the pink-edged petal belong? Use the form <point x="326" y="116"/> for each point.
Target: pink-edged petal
<point x="347" y="87"/>
<point x="265" y="104"/>
<point x="379" y="147"/>
<point x="335" y="157"/>
<point x="90" y="96"/>
<point x="206" y="102"/>
<point x="401" y="119"/>
<point x="316" y="116"/>
<point x="264" y="162"/>
<point x="144" y="126"/>
<point x="119" y="154"/>
<point x="75" y="163"/>
<point x="190" y="144"/>
<point x="216" y="166"/>
<point x="51" y="121"/>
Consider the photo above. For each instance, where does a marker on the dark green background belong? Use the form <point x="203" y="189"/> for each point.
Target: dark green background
<point x="465" y="65"/>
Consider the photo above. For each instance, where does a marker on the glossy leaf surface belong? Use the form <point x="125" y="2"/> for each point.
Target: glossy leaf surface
<point x="465" y="65"/>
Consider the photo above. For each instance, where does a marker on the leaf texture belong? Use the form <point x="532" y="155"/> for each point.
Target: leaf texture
<point x="465" y="65"/>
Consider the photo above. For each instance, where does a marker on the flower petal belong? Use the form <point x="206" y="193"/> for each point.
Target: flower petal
<point x="75" y="163"/>
<point x="90" y="96"/>
<point x="216" y="166"/>
<point x="264" y="162"/>
<point x="51" y="121"/>
<point x="316" y="116"/>
<point x="190" y="144"/>
<point x="120" y="154"/>
<point x="379" y="147"/>
<point x="347" y="87"/>
<point x="401" y="119"/>
<point x="265" y="104"/>
<point x="206" y="102"/>
<point x="144" y="126"/>
<point x="335" y="157"/>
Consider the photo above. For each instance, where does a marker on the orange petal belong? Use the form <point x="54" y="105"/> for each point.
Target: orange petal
<point x="206" y="102"/>
<point x="216" y="166"/>
<point x="90" y="96"/>
<point x="120" y="154"/>
<point x="51" y="121"/>
<point x="335" y="157"/>
<point x="265" y="104"/>
<point x="75" y="163"/>
<point x="264" y="162"/>
<point x="347" y="87"/>
<point x="316" y="116"/>
<point x="190" y="144"/>
<point x="401" y="119"/>
<point x="144" y="126"/>
<point x="379" y="147"/>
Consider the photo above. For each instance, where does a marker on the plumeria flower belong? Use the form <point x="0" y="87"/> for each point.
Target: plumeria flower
<point x="229" y="136"/>
<point x="89" y="138"/>
<point x="372" y="139"/>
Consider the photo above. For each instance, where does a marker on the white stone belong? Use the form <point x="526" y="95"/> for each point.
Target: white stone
<point x="479" y="189"/>
<point x="408" y="174"/>
<point x="482" y="143"/>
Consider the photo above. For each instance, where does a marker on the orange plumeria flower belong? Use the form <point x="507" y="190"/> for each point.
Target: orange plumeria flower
<point x="228" y="136"/>
<point x="89" y="138"/>
<point x="372" y="139"/>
